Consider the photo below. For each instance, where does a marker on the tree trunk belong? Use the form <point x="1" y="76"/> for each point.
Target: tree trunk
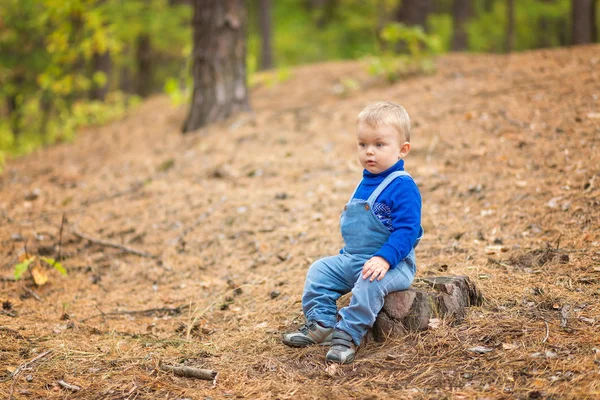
<point x="144" y="65"/>
<point x="101" y="63"/>
<point x="14" y="112"/>
<point x="488" y="5"/>
<point x="219" y="62"/>
<point x="266" y="50"/>
<point x="584" y="21"/>
<point x="545" y="30"/>
<point x="412" y="310"/>
<point x="461" y="11"/>
<point x="46" y="106"/>
<point x="510" y="26"/>
<point x="326" y="10"/>
<point x="14" y="106"/>
<point x="413" y="12"/>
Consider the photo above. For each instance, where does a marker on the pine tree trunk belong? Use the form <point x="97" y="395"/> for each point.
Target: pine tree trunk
<point x="101" y="63"/>
<point x="510" y="26"/>
<point x="266" y="50"/>
<point x="461" y="10"/>
<point x="144" y="65"/>
<point x="413" y="12"/>
<point x="219" y="62"/>
<point x="14" y="113"/>
<point x="584" y="21"/>
<point x="545" y="29"/>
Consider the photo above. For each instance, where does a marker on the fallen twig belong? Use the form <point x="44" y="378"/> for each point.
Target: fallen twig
<point x="86" y="203"/>
<point x="6" y="312"/>
<point x="21" y="367"/>
<point x="150" y="311"/>
<point x="547" y="332"/>
<point x="62" y="224"/>
<point x="190" y="372"/>
<point x="494" y="261"/>
<point x="68" y="386"/>
<point x="32" y="293"/>
<point x="113" y="245"/>
<point x="564" y="315"/>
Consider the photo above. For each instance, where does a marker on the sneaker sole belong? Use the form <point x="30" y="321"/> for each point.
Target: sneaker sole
<point x="346" y="361"/>
<point x="305" y="344"/>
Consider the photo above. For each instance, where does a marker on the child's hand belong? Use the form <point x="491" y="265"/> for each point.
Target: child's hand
<point x="376" y="267"/>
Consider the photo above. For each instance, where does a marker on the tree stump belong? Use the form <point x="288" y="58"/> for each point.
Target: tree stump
<point x="436" y="297"/>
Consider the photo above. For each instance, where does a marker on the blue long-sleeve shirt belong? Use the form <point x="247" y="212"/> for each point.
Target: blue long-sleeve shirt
<point x="398" y="207"/>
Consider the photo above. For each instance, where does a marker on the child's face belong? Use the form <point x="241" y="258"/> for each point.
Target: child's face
<point x="379" y="148"/>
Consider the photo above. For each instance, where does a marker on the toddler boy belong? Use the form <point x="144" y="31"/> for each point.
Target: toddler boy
<point x="381" y="226"/>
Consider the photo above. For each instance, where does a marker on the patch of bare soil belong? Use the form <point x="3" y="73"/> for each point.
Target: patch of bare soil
<point x="226" y="221"/>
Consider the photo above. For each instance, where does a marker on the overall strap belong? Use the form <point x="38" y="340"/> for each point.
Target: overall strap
<point x="384" y="184"/>
<point x="354" y="192"/>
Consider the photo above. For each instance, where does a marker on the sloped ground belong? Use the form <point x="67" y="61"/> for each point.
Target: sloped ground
<point x="506" y="151"/>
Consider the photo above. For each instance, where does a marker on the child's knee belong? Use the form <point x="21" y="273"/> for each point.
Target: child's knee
<point x="372" y="289"/>
<point x="316" y="269"/>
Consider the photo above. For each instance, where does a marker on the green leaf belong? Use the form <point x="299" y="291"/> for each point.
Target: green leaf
<point x="21" y="268"/>
<point x="57" y="266"/>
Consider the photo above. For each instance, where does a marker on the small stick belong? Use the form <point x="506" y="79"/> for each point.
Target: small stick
<point x="564" y="314"/>
<point x="190" y="372"/>
<point x="68" y="386"/>
<point x="32" y="293"/>
<point x="62" y="224"/>
<point x="21" y="367"/>
<point x="150" y="311"/>
<point x="113" y="245"/>
<point x="547" y="332"/>
<point x="98" y="308"/>
<point x="499" y="263"/>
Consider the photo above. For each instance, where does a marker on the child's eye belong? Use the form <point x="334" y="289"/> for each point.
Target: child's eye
<point x="362" y="145"/>
<point x="379" y="145"/>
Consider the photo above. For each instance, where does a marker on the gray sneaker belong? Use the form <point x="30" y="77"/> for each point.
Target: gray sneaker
<point x="342" y="348"/>
<point x="309" y="334"/>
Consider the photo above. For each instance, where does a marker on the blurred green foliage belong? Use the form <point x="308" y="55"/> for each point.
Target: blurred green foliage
<point x="49" y="51"/>
<point x="538" y="24"/>
<point x="407" y="50"/>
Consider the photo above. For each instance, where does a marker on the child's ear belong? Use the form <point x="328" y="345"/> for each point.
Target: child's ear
<point x="405" y="149"/>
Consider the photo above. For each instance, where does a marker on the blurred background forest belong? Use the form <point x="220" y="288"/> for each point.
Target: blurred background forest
<point x="65" y="64"/>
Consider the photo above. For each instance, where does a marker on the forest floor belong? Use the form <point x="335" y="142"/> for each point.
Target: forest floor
<point x="506" y="152"/>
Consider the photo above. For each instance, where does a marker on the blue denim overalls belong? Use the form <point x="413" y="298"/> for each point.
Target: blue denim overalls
<point x="329" y="278"/>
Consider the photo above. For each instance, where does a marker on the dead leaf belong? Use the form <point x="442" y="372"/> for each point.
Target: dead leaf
<point x="539" y="383"/>
<point x="588" y="320"/>
<point x="521" y="184"/>
<point x="331" y="369"/>
<point x="434" y="323"/>
<point x="495" y="249"/>
<point x="509" y="346"/>
<point x="480" y="349"/>
<point x="39" y="273"/>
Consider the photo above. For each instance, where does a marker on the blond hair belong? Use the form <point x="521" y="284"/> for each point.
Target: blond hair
<point x="386" y="113"/>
